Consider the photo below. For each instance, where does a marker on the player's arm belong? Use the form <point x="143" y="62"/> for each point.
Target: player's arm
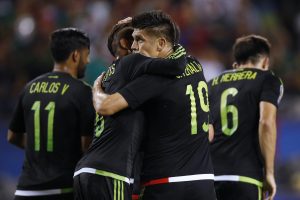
<point x="270" y="98"/>
<point x="17" y="139"/>
<point x="211" y="133"/>
<point x="106" y="104"/>
<point x="85" y="142"/>
<point x="267" y="141"/>
<point x="16" y="133"/>
<point x="172" y="66"/>
<point x="211" y="130"/>
<point x="132" y="95"/>
<point x="87" y="117"/>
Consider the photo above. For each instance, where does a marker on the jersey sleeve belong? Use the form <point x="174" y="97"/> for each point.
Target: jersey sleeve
<point x="165" y="67"/>
<point x="174" y="65"/>
<point x="135" y="65"/>
<point x="143" y="89"/>
<point x="17" y="123"/>
<point x="87" y="112"/>
<point x="272" y="90"/>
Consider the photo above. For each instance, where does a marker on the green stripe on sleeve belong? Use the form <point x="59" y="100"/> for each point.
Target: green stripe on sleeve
<point x="250" y="180"/>
<point x="66" y="190"/>
<point x="259" y="193"/>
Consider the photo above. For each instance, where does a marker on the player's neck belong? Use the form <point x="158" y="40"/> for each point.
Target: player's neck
<point x="63" y="67"/>
<point x="166" y="52"/>
<point x="262" y="64"/>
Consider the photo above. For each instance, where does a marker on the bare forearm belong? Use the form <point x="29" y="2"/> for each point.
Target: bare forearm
<point x="108" y="104"/>
<point x="267" y="141"/>
<point x="85" y="143"/>
<point x="99" y="99"/>
<point x="211" y="133"/>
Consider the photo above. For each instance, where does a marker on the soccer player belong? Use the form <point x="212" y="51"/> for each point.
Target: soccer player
<point x="105" y="170"/>
<point x="244" y="103"/>
<point x="53" y="121"/>
<point x="177" y="163"/>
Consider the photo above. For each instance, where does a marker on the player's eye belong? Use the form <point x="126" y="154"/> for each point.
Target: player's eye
<point x="138" y="39"/>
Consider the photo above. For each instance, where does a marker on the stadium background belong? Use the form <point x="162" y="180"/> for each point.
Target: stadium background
<point x="208" y="30"/>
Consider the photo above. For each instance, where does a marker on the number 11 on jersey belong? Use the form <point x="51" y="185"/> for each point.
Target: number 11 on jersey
<point x="203" y="104"/>
<point x="37" y="131"/>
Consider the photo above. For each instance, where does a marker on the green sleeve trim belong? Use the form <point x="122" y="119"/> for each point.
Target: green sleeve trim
<point x="259" y="193"/>
<point x="66" y="190"/>
<point x="250" y="180"/>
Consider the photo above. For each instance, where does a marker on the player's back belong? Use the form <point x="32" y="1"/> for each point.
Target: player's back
<point x="177" y="128"/>
<point x="117" y="137"/>
<point x="120" y="134"/>
<point x="234" y="100"/>
<point x="57" y="110"/>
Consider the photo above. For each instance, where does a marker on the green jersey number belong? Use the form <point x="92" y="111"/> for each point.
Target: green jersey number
<point x="36" y="107"/>
<point x="226" y="109"/>
<point x="203" y="104"/>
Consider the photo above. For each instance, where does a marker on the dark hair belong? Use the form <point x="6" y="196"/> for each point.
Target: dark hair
<point x="250" y="48"/>
<point x="119" y="31"/>
<point x="66" y="40"/>
<point x="157" y="23"/>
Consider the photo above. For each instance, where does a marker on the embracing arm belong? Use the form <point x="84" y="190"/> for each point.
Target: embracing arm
<point x="85" y="142"/>
<point x="106" y="104"/>
<point x="171" y="66"/>
<point x="211" y="133"/>
<point x="267" y="142"/>
<point x="18" y="140"/>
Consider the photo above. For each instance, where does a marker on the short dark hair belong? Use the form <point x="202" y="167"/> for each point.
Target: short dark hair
<point x="250" y="48"/>
<point x="66" y="40"/>
<point x="119" y="31"/>
<point x="157" y="23"/>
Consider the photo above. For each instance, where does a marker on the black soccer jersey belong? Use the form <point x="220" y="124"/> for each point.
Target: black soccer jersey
<point x="234" y="99"/>
<point x="54" y="111"/>
<point x="117" y="137"/>
<point x="176" y="142"/>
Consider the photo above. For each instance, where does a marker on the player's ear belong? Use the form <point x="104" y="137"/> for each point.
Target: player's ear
<point x="76" y="56"/>
<point x="161" y="43"/>
<point x="266" y="63"/>
<point x="125" y="47"/>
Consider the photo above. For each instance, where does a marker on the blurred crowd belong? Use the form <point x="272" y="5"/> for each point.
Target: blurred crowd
<point x="208" y="30"/>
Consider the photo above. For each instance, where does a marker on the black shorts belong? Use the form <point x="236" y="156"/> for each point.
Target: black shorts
<point x="68" y="196"/>
<point x="190" y="190"/>
<point x="228" y="190"/>
<point x="94" y="187"/>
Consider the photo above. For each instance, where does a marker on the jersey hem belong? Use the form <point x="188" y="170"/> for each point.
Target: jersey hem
<point x="104" y="173"/>
<point x="238" y="178"/>
<point x="195" y="177"/>
<point x="43" y="192"/>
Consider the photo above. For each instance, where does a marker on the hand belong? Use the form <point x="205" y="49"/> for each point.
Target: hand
<point x="269" y="188"/>
<point x="98" y="93"/>
<point x="126" y="20"/>
<point x="97" y="87"/>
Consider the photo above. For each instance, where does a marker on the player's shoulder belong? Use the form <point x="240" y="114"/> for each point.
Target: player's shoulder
<point x="36" y="79"/>
<point x="133" y="58"/>
<point x="270" y="77"/>
<point x="83" y="86"/>
<point x="191" y="58"/>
